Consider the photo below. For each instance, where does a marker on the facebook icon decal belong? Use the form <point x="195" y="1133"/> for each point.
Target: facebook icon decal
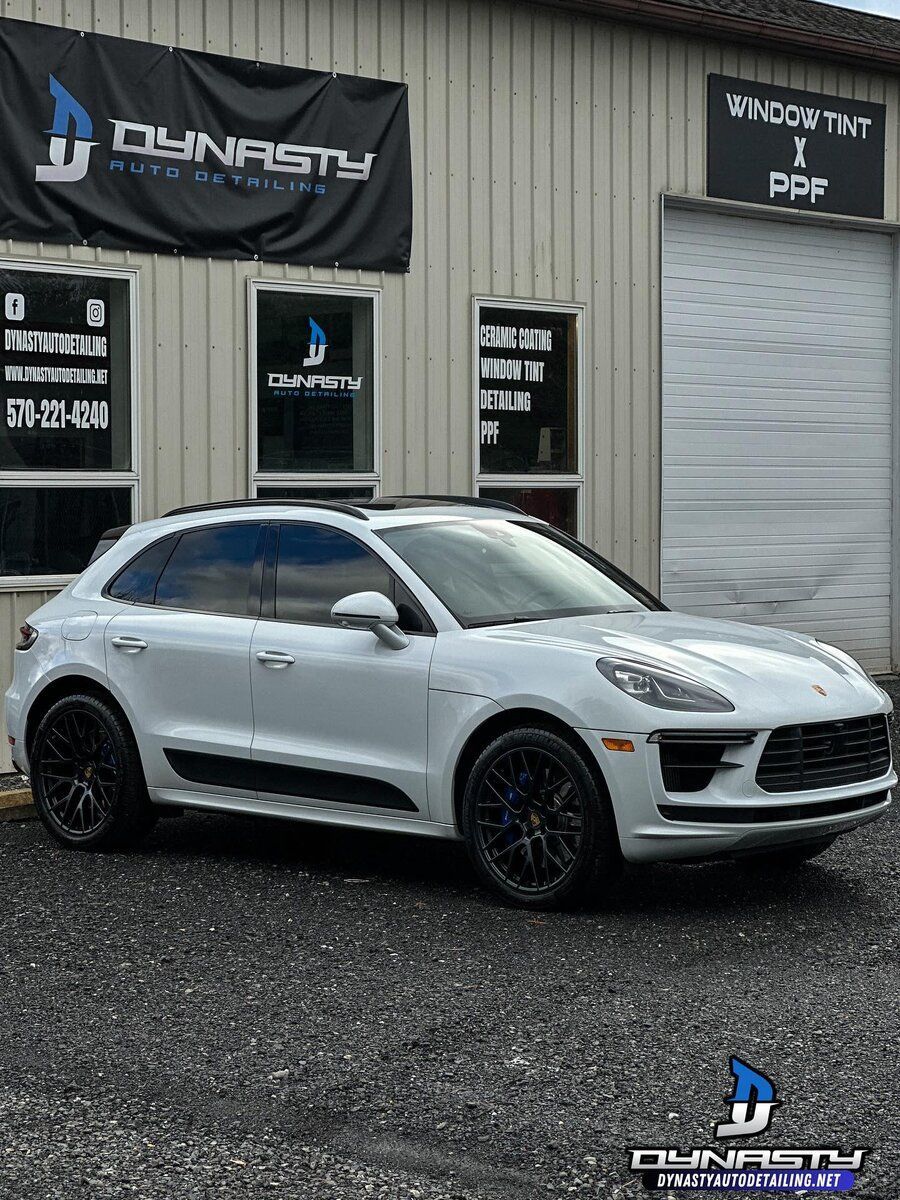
<point x="15" y="306"/>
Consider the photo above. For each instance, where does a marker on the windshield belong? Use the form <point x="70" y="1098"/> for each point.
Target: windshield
<point x="496" y="572"/>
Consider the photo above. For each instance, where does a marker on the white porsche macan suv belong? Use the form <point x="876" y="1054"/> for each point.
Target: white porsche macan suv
<point x="439" y="666"/>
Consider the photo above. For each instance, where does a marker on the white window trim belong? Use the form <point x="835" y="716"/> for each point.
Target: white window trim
<point x="45" y="477"/>
<point x="571" y="480"/>
<point x="300" y="479"/>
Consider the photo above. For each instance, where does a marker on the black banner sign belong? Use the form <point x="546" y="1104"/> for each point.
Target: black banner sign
<point x="123" y="144"/>
<point x="526" y="391"/>
<point x="778" y="145"/>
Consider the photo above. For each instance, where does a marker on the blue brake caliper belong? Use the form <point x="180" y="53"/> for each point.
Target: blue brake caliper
<point x="513" y="801"/>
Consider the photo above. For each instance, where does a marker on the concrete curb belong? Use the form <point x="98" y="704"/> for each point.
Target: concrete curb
<point x="17" y="806"/>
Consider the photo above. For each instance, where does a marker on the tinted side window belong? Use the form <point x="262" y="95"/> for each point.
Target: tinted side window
<point x="137" y="582"/>
<point x="212" y="570"/>
<point x="316" y="568"/>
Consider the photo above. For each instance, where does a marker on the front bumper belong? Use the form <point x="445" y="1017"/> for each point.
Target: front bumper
<point x="656" y="825"/>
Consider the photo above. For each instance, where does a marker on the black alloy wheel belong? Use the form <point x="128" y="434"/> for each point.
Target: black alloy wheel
<point x="538" y="829"/>
<point x="79" y="773"/>
<point x="529" y="820"/>
<point x="86" y="775"/>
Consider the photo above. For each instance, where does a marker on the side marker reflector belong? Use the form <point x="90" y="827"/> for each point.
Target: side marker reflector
<point x="623" y="744"/>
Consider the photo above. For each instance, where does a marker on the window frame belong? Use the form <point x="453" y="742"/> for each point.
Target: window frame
<point x="46" y="477"/>
<point x="310" y="480"/>
<point x="270" y="578"/>
<point x="572" y="480"/>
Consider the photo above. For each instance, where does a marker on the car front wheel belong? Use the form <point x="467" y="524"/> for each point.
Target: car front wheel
<point x="538" y="829"/>
<point x="86" y="776"/>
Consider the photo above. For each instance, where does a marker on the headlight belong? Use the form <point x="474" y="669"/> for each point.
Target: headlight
<point x="660" y="687"/>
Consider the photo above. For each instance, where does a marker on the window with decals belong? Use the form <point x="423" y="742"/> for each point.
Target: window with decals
<point x="68" y="463"/>
<point x="315" y="389"/>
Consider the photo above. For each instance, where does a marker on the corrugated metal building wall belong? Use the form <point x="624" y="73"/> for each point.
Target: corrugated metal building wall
<point x="542" y="142"/>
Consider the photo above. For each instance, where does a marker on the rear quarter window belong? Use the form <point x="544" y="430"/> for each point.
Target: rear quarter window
<point x="136" y="583"/>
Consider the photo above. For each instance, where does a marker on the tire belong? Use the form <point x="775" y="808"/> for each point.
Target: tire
<point x="538" y="829"/>
<point x="786" y="857"/>
<point x="86" y="776"/>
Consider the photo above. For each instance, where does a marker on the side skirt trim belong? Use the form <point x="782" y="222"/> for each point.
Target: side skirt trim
<point x="333" y="787"/>
<point x="292" y="810"/>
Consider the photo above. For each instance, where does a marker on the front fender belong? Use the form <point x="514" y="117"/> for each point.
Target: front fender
<point x="452" y="719"/>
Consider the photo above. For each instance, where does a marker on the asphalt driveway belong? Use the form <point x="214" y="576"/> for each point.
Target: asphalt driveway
<point x="247" y="1009"/>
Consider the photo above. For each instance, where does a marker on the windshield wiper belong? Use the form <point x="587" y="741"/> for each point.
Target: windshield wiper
<point x="504" y="621"/>
<point x="548" y="616"/>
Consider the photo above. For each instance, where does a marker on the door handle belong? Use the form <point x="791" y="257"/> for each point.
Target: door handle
<point x="275" y="659"/>
<point x="131" y="645"/>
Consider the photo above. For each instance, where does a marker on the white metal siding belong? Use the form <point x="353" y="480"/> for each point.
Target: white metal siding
<point x="777" y="426"/>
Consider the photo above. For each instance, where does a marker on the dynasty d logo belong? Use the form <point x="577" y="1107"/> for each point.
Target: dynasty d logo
<point x="752" y="1104"/>
<point x="706" y="1169"/>
<point x="68" y="160"/>
<point x="317" y="345"/>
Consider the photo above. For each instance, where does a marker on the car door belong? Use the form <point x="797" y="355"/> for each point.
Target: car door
<point x="340" y="719"/>
<point x="178" y="656"/>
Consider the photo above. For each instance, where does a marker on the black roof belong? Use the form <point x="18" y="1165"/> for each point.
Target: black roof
<point x="806" y="27"/>
<point x="810" y="16"/>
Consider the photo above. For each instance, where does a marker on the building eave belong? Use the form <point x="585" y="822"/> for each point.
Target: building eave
<point x="661" y="14"/>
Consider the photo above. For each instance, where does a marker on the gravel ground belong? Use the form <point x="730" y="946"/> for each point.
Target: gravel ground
<point x="252" y="1009"/>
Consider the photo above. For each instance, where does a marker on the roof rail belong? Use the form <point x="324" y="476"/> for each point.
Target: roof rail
<point x="348" y="510"/>
<point x="422" y="501"/>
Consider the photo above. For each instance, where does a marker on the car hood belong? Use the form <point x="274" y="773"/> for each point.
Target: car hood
<point x="757" y="668"/>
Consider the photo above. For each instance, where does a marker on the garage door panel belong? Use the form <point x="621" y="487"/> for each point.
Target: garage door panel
<point x="743" y="366"/>
<point x="837" y="409"/>
<point x="777" y="402"/>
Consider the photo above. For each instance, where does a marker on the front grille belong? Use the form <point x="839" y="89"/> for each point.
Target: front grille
<point x="800" y="758"/>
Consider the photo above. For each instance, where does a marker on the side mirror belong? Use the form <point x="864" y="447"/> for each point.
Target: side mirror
<point x="371" y="610"/>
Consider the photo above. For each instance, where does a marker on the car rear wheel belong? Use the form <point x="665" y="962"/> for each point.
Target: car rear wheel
<point x="538" y="829"/>
<point x="86" y="776"/>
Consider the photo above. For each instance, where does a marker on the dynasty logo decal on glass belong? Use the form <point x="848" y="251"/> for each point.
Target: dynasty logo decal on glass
<point x="318" y="344"/>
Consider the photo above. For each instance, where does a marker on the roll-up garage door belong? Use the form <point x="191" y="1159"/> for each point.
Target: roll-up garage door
<point x="777" y="427"/>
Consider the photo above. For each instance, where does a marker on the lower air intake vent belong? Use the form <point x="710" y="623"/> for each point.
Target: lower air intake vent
<point x="689" y="768"/>
<point x="689" y="758"/>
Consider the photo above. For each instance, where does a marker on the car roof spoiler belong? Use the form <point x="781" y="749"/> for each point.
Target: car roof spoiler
<point x="107" y="539"/>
